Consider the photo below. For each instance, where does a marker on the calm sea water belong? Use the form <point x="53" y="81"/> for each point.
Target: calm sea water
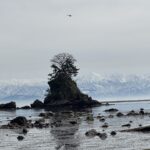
<point x="72" y="137"/>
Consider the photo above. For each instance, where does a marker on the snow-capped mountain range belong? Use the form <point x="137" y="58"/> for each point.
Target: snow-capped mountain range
<point x="116" y="87"/>
<point x="110" y="87"/>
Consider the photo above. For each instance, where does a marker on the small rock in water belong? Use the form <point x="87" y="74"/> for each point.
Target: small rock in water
<point x="46" y="115"/>
<point x="25" y="107"/>
<point x="102" y="119"/>
<point x="41" y="124"/>
<point x="126" y="125"/>
<point x="132" y="113"/>
<point x="20" y="138"/>
<point x="111" y="110"/>
<point x="105" y="125"/>
<point x="107" y="104"/>
<point x="24" y="131"/>
<point x="102" y="136"/>
<point x="90" y="118"/>
<point x="99" y="117"/>
<point x="141" y="111"/>
<point x="119" y="114"/>
<point x="91" y="133"/>
<point x="73" y="122"/>
<point x="110" y="116"/>
<point x="113" y="133"/>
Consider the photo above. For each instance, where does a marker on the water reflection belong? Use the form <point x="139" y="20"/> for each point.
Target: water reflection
<point x="65" y="126"/>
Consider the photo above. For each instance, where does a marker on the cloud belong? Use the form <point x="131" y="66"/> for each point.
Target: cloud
<point x="104" y="35"/>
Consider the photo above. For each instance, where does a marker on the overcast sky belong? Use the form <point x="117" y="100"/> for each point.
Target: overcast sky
<point x="105" y="36"/>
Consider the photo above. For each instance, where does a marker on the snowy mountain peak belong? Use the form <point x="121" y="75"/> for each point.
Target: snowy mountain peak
<point x="95" y="85"/>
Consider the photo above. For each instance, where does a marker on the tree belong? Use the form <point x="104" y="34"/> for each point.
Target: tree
<point x="63" y="64"/>
<point x="63" y="90"/>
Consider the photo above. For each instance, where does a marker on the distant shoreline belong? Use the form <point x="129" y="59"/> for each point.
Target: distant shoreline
<point x="122" y="101"/>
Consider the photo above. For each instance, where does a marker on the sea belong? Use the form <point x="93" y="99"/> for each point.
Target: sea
<point x="72" y="137"/>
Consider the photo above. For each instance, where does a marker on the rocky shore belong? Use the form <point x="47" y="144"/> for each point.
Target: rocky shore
<point x="57" y="119"/>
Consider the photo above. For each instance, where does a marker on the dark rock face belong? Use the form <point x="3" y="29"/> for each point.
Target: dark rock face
<point x="64" y="92"/>
<point x="11" y="105"/>
<point x="37" y="104"/>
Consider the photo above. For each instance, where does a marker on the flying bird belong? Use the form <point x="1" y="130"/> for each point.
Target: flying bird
<point x="69" y="15"/>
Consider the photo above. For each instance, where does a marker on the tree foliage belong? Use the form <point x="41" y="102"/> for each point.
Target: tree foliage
<point x="63" y="64"/>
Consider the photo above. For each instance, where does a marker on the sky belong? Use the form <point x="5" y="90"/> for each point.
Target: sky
<point x="105" y="36"/>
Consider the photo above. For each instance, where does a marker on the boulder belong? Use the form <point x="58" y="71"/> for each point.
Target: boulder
<point x="11" y="105"/>
<point x="20" y="121"/>
<point x="37" y="104"/>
